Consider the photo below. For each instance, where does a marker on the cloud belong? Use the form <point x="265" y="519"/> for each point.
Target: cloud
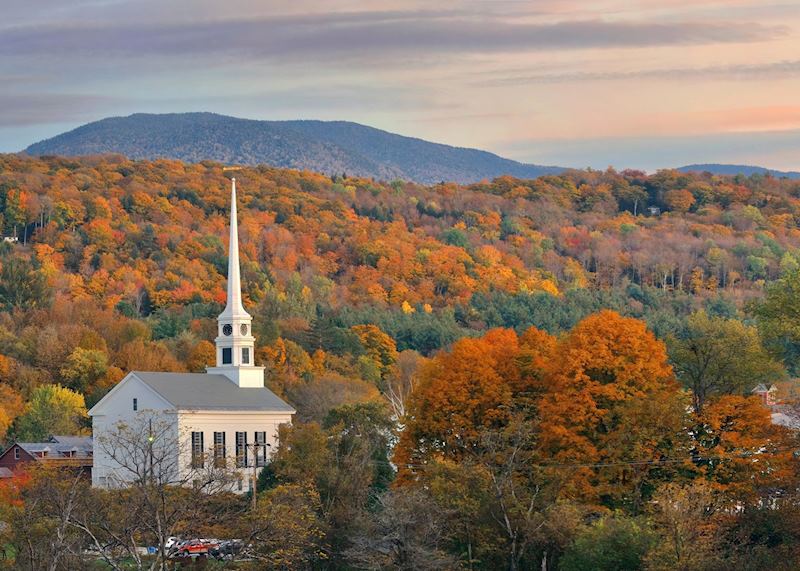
<point x="323" y="100"/>
<point x="17" y="110"/>
<point x="769" y="70"/>
<point x="363" y="34"/>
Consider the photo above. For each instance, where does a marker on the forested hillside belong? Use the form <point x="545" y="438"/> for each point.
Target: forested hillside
<point x="140" y="245"/>
<point x="559" y="367"/>
<point x="332" y="147"/>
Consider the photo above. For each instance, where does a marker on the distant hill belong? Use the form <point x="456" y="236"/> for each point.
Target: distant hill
<point x="331" y="147"/>
<point x="738" y="169"/>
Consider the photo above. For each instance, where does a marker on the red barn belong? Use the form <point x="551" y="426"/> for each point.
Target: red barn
<point x="66" y="451"/>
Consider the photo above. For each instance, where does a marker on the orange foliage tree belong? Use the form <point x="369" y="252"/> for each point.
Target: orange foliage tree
<point x="470" y="389"/>
<point x="740" y="450"/>
<point x="612" y="407"/>
<point x="11" y="406"/>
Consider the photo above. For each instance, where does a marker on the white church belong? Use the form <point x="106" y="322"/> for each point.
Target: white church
<point x="225" y="416"/>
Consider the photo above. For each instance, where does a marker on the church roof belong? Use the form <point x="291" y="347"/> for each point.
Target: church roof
<point x="204" y="391"/>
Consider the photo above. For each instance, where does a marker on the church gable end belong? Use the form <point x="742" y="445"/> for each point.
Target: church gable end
<point x="120" y="400"/>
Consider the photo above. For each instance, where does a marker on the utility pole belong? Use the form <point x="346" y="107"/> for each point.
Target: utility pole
<point x="253" y="497"/>
<point x="150" y="439"/>
<point x="255" y="446"/>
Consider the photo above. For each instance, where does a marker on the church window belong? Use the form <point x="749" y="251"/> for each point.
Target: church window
<point x="241" y="449"/>
<point x="227" y="356"/>
<point x="197" y="449"/>
<point x="261" y="448"/>
<point x="219" y="449"/>
<point x="135" y="404"/>
<point x="245" y="355"/>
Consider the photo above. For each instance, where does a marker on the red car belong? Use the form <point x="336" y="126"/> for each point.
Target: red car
<point x="195" y="547"/>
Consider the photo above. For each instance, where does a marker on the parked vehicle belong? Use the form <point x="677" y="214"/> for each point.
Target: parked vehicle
<point x="196" y="547"/>
<point x="174" y="549"/>
<point x="227" y="550"/>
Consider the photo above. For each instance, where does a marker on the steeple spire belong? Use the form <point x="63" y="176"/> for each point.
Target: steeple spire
<point x="234" y="307"/>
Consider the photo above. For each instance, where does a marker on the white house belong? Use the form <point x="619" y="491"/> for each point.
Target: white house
<point x="224" y="416"/>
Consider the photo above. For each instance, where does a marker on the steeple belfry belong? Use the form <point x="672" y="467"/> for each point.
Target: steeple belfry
<point x="235" y="342"/>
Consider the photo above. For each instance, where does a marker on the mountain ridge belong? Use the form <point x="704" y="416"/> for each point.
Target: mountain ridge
<point x="330" y="147"/>
<point x="734" y="169"/>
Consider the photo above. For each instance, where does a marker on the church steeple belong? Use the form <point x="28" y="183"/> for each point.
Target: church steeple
<point x="235" y="342"/>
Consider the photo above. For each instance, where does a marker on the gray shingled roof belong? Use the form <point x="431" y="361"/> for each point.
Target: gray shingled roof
<point x="203" y="391"/>
<point x="74" y="441"/>
<point x="81" y="446"/>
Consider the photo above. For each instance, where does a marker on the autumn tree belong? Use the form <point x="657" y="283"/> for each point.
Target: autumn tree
<point x="459" y="394"/>
<point x="13" y="211"/>
<point x="84" y="369"/>
<point x="287" y="530"/>
<point x="22" y="286"/>
<point x="139" y="354"/>
<point x="740" y="450"/>
<point x="11" y="406"/>
<point x="612" y="401"/>
<point x="765" y="536"/>
<point x="778" y="315"/>
<point x="716" y="356"/>
<point x="525" y="495"/>
<point x="316" y="398"/>
<point x="462" y="491"/>
<point x="679" y="200"/>
<point x="345" y="460"/>
<point x="42" y="532"/>
<point x="12" y="504"/>
<point x="399" y="384"/>
<point x="202" y="355"/>
<point x="476" y="406"/>
<point x="52" y="409"/>
<point x="405" y="533"/>
<point x="687" y="520"/>
<point x="616" y="542"/>
<point x="364" y="428"/>
<point x="378" y="346"/>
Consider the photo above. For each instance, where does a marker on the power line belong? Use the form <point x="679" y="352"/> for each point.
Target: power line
<point x="689" y="459"/>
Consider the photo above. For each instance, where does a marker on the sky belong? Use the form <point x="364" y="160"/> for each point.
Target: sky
<point x="632" y="84"/>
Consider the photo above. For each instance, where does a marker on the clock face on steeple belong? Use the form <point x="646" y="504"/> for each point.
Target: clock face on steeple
<point x="243" y="328"/>
<point x="227" y="329"/>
